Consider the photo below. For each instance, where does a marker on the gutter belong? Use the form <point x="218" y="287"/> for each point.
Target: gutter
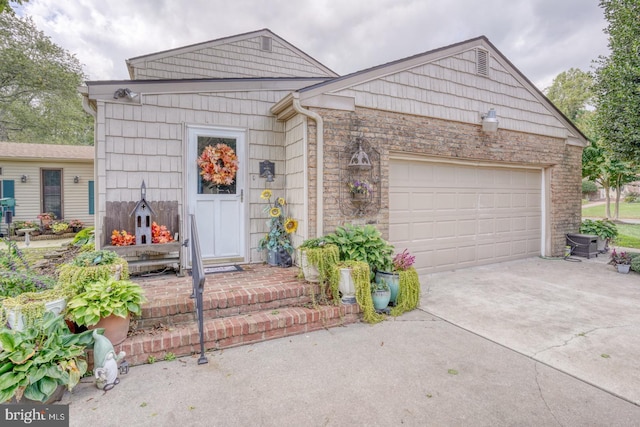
<point x="319" y="160"/>
<point x="86" y="106"/>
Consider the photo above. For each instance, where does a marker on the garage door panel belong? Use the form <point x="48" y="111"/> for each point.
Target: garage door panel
<point x="454" y="216"/>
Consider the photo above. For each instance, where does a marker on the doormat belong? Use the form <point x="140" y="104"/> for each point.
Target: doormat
<point x="222" y="269"/>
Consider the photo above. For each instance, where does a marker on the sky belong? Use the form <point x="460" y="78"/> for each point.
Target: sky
<point x="542" y="38"/>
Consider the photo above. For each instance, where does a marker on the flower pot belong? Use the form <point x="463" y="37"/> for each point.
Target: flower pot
<point x="359" y="197"/>
<point x="115" y="328"/>
<point x="381" y="299"/>
<point x="393" y="280"/>
<point x="347" y="287"/>
<point x="311" y="273"/>
<point x="273" y="258"/>
<point x="17" y="321"/>
<point x="623" y="268"/>
<point x="601" y="245"/>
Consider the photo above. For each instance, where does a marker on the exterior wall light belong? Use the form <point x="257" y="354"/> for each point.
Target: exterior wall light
<point x="267" y="170"/>
<point x="24" y="178"/>
<point x="124" y="93"/>
<point x="76" y="179"/>
<point x="490" y="122"/>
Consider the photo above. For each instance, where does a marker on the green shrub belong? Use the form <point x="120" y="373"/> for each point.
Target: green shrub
<point x="632" y="197"/>
<point x="14" y="283"/>
<point x="635" y="262"/>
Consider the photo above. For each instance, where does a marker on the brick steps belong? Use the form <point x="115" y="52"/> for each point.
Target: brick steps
<point x="257" y="304"/>
<point x="232" y="331"/>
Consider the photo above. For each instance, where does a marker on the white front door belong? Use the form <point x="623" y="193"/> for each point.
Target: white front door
<point x="218" y="208"/>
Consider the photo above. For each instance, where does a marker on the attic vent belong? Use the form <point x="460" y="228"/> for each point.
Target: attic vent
<point x="482" y="62"/>
<point x="265" y="43"/>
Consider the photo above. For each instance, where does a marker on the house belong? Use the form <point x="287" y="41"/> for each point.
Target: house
<point x="468" y="162"/>
<point x="48" y="178"/>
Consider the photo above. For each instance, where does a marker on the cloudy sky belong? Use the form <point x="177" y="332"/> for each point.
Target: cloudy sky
<point x="540" y="37"/>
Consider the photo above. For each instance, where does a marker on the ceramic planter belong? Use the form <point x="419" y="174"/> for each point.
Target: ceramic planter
<point x="393" y="280"/>
<point x="380" y="299"/>
<point x="623" y="268"/>
<point x="273" y="258"/>
<point x="347" y="287"/>
<point x="311" y="273"/>
<point x="17" y="321"/>
<point x="115" y="328"/>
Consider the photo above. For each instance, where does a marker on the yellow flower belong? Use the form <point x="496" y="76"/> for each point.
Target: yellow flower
<point x="266" y="194"/>
<point x="290" y="225"/>
<point x="274" y="212"/>
<point x="282" y="201"/>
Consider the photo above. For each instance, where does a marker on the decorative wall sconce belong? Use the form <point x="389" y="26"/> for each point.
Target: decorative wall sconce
<point x="124" y="93"/>
<point x="24" y="178"/>
<point x="490" y="121"/>
<point x="76" y="179"/>
<point x="267" y="170"/>
<point x="360" y="159"/>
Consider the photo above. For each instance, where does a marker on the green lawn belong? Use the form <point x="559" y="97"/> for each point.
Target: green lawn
<point x="627" y="210"/>
<point x="628" y="234"/>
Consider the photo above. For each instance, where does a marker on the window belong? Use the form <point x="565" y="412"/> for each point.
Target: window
<point x="91" y="199"/>
<point x="52" y="191"/>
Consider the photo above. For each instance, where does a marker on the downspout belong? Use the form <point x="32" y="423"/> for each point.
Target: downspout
<point x="319" y="159"/>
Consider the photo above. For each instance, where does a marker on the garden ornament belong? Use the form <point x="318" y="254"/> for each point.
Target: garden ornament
<point x="106" y="362"/>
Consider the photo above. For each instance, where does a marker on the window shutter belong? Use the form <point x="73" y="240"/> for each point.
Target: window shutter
<point x="8" y="190"/>
<point x="91" y="198"/>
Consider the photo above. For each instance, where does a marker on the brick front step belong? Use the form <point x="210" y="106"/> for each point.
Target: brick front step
<point x="218" y="303"/>
<point x="219" y="333"/>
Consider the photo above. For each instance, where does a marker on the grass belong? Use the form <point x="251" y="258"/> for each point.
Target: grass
<point x="628" y="234"/>
<point x="627" y="211"/>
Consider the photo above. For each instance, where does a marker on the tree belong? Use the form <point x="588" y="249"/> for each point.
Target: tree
<point x="617" y="81"/>
<point x="571" y="92"/>
<point x="4" y="4"/>
<point x="39" y="100"/>
<point x="600" y="166"/>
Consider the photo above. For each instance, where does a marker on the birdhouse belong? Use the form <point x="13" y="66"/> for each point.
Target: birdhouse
<point x="142" y="214"/>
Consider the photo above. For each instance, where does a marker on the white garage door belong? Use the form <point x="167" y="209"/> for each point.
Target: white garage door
<point x="452" y="216"/>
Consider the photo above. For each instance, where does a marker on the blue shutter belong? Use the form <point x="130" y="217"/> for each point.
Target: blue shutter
<point x="91" y="198"/>
<point x="8" y="190"/>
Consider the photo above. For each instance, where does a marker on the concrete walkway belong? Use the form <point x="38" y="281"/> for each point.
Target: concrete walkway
<point x="533" y="342"/>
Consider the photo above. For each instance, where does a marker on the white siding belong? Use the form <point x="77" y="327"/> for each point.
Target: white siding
<point x="296" y="170"/>
<point x="147" y="142"/>
<point x="28" y="194"/>
<point x="242" y="58"/>
<point x="450" y="89"/>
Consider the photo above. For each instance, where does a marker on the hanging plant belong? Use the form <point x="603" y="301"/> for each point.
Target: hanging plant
<point x="409" y="293"/>
<point x="323" y="258"/>
<point x="218" y="165"/>
<point x="359" y="275"/>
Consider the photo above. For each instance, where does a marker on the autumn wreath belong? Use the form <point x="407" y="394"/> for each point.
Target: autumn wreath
<point x="218" y="165"/>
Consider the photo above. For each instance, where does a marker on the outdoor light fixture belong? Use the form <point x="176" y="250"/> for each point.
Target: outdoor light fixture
<point x="24" y="178"/>
<point x="490" y="121"/>
<point x="76" y="179"/>
<point x="124" y="93"/>
<point x="267" y="170"/>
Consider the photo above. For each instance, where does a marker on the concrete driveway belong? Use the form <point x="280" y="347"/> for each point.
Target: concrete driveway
<point x="582" y="318"/>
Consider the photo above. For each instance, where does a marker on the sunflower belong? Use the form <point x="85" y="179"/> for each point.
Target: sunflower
<point x="275" y="212"/>
<point x="281" y="201"/>
<point x="290" y="225"/>
<point x="266" y="194"/>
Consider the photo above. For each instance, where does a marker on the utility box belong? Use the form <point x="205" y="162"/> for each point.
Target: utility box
<point x="584" y="245"/>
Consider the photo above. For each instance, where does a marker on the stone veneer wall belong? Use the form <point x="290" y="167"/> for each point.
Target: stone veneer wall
<point x="396" y="132"/>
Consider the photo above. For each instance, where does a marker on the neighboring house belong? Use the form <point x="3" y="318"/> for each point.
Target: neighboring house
<point x="48" y="178"/>
<point x="453" y="194"/>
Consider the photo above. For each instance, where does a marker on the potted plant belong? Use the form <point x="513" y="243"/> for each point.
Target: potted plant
<point x="277" y="241"/>
<point x="621" y="260"/>
<point x="76" y="225"/>
<point x="46" y="218"/>
<point x="401" y="262"/>
<point x="605" y="229"/>
<point x="89" y="267"/>
<point x="27" y="309"/>
<point x="107" y="303"/>
<point x="362" y="243"/>
<point x="359" y="189"/>
<point x="40" y="362"/>
<point x="380" y="294"/>
<point x="59" y="227"/>
<point x="316" y="259"/>
<point x="20" y="227"/>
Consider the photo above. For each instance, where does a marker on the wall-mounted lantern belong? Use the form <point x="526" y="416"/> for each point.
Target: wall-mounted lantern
<point x="267" y="170"/>
<point x="24" y="178"/>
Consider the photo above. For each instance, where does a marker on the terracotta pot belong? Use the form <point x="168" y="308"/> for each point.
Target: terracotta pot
<point x="115" y="328"/>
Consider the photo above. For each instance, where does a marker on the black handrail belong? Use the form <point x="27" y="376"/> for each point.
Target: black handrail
<point x="197" y="274"/>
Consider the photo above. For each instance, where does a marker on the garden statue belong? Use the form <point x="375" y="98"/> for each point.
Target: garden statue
<point x="106" y="362"/>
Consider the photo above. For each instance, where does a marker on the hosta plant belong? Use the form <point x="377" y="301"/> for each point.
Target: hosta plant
<point x="35" y="361"/>
<point x="104" y="298"/>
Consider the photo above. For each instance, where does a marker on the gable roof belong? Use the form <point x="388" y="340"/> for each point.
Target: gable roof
<point x="25" y="151"/>
<point x="227" y="55"/>
<point x="360" y="78"/>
